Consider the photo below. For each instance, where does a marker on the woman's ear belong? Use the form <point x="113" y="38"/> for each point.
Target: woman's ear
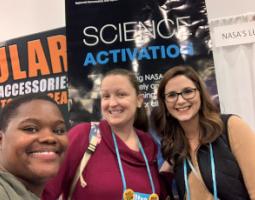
<point x="1" y="139"/>
<point x="139" y="100"/>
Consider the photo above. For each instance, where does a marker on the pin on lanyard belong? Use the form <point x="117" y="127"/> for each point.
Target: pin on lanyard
<point x="121" y="168"/>
<point x="215" y="195"/>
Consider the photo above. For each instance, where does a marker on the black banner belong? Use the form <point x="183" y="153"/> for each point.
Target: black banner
<point x="146" y="36"/>
<point x="35" y="64"/>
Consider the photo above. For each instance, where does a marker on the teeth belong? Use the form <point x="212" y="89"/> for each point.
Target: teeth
<point x="44" y="153"/>
<point x="183" y="109"/>
<point x="115" y="111"/>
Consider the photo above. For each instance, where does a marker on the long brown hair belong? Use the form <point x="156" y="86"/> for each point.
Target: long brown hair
<point x="141" y="119"/>
<point x="174" y="144"/>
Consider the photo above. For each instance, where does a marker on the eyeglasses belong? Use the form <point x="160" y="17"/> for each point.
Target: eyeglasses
<point x="186" y="93"/>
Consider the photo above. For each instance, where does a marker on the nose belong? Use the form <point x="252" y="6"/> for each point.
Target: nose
<point x="47" y="136"/>
<point x="113" y="101"/>
<point x="180" y="99"/>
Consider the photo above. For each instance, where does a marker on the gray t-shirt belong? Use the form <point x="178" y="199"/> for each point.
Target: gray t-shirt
<point x="12" y="189"/>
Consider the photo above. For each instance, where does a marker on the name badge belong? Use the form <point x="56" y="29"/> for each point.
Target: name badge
<point x="131" y="195"/>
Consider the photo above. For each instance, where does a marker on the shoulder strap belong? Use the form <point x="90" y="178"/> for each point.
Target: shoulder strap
<point x="225" y="118"/>
<point x="94" y="140"/>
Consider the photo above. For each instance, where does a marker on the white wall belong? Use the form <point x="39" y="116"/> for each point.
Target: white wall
<point x="24" y="17"/>
<point x="223" y="8"/>
<point x="233" y="73"/>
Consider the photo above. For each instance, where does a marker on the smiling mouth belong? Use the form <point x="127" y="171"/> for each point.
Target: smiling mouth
<point x="183" y="108"/>
<point x="45" y="154"/>
<point x="115" y="112"/>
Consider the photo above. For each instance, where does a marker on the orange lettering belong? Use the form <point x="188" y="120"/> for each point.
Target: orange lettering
<point x="57" y="48"/>
<point x="4" y="72"/>
<point x="51" y="95"/>
<point x="59" y="97"/>
<point x="3" y="102"/>
<point x="14" y="55"/>
<point x="36" y="59"/>
<point x="64" y="97"/>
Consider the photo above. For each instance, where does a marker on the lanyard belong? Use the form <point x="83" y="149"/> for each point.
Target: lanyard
<point x="215" y="196"/>
<point x="121" y="168"/>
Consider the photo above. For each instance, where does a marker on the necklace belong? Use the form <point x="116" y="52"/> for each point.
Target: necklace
<point x="128" y="193"/>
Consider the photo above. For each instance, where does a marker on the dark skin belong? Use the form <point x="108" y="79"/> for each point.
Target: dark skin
<point x="35" y="140"/>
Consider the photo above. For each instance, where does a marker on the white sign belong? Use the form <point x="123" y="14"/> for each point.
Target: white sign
<point x="234" y="34"/>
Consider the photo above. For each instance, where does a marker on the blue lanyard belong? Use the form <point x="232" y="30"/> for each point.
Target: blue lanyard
<point x="215" y="196"/>
<point x="121" y="168"/>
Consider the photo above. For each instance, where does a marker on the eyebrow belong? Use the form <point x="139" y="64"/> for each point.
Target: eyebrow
<point x="188" y="87"/>
<point x="37" y="121"/>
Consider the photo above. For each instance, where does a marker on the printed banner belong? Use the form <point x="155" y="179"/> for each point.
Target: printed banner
<point x="146" y="36"/>
<point x="234" y="34"/>
<point x="35" y="64"/>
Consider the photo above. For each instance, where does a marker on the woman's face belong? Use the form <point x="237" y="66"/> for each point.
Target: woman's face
<point x="182" y="109"/>
<point x="33" y="145"/>
<point x="119" y="101"/>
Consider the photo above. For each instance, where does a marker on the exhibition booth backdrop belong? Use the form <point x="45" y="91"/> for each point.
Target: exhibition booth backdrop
<point x="35" y="64"/>
<point x="147" y="37"/>
<point x="172" y="22"/>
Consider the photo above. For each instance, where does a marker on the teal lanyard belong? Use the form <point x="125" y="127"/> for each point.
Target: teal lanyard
<point x="121" y="168"/>
<point x="215" y="196"/>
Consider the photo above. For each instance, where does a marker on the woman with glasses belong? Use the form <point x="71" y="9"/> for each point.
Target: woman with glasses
<point x="211" y="155"/>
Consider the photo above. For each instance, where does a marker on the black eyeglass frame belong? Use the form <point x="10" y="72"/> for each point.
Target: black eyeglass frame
<point x="181" y="93"/>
